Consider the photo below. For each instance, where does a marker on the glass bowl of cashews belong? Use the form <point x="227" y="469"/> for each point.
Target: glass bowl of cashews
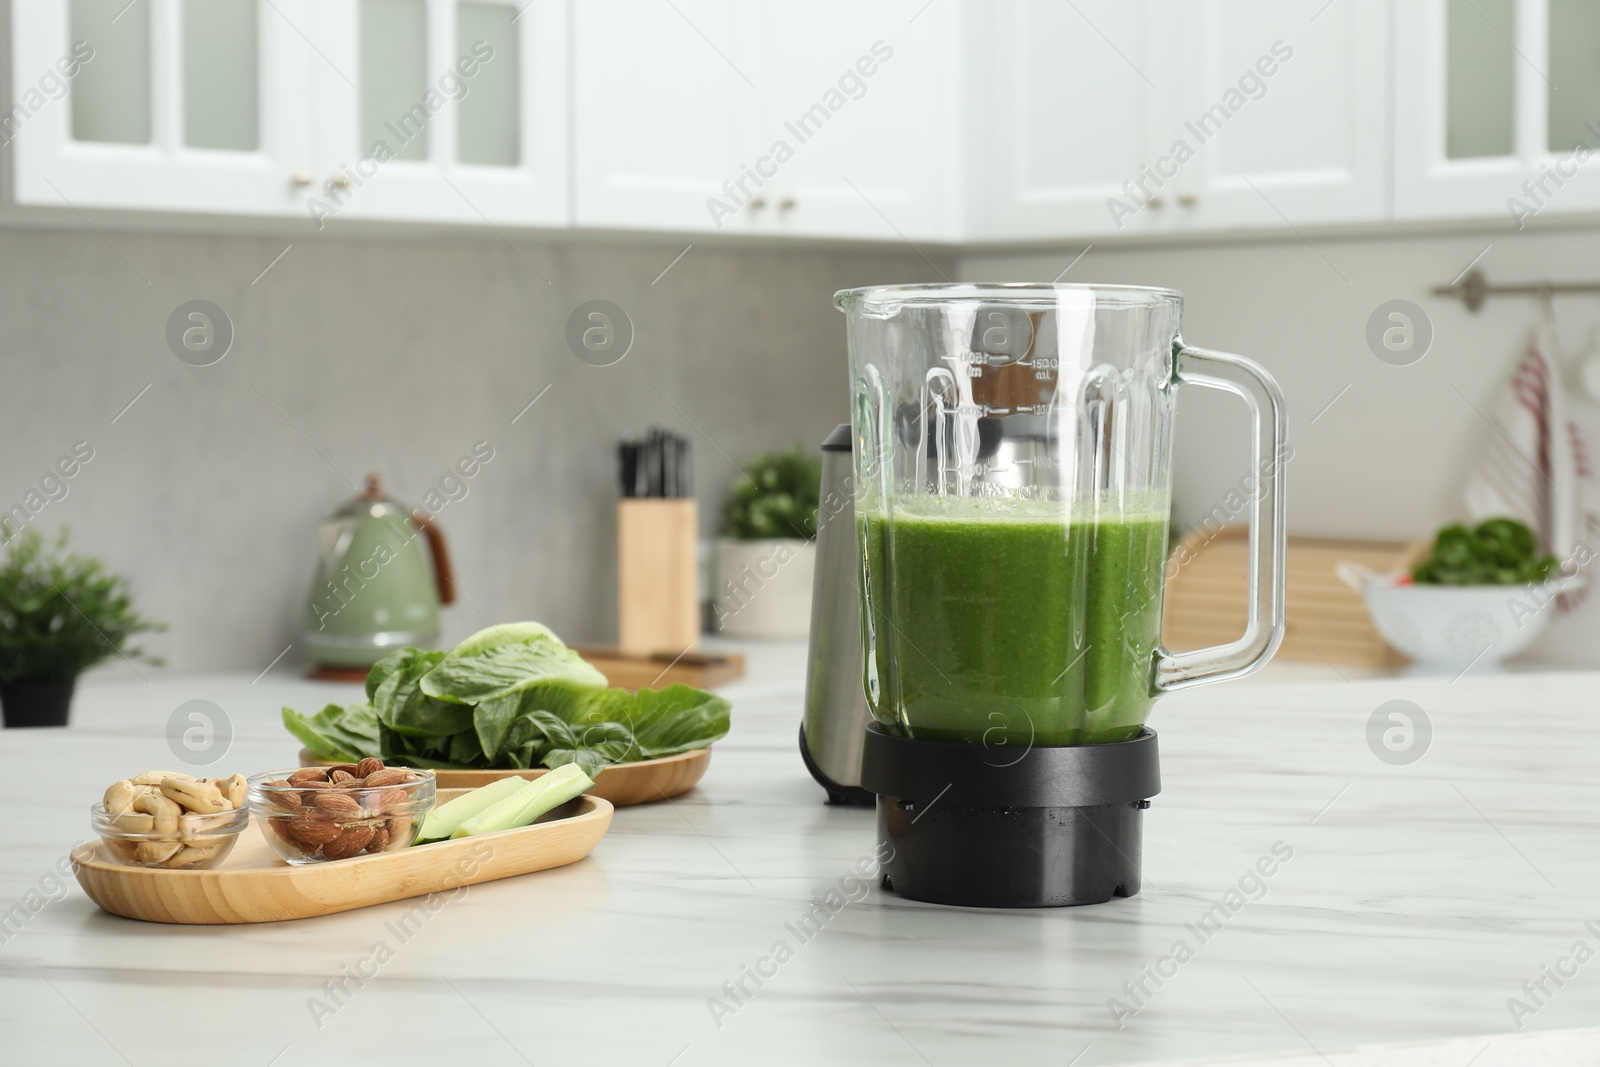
<point x="170" y="820"/>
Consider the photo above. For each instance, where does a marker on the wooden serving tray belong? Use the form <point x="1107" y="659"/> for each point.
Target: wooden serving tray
<point x="623" y="784"/>
<point x="253" y="885"/>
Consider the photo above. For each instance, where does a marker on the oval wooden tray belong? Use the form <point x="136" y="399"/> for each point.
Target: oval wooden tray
<point x="254" y="886"/>
<point x="624" y="784"/>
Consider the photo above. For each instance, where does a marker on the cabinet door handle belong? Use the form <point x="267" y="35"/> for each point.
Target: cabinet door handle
<point x="758" y="202"/>
<point x="339" y="180"/>
<point x="300" y="176"/>
<point x="1188" y="199"/>
<point x="786" y="204"/>
<point x="1156" y="201"/>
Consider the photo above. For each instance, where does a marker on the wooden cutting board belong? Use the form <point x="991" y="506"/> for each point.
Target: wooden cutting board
<point x="623" y="784"/>
<point x="703" y="670"/>
<point x="253" y="885"/>
<point x="1207" y="594"/>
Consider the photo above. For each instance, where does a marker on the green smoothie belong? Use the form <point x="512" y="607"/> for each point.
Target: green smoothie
<point x="1010" y="629"/>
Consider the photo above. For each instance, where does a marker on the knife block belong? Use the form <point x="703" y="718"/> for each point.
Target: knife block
<point x="658" y="581"/>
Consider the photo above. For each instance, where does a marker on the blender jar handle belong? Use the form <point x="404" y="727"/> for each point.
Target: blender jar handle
<point x="1237" y="375"/>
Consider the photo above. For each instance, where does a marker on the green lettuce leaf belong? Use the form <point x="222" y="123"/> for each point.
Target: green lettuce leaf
<point x="506" y="669"/>
<point x="676" y="719"/>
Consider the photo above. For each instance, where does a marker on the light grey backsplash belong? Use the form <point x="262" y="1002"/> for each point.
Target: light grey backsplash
<point x="393" y="356"/>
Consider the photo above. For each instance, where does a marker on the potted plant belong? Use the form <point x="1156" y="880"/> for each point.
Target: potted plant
<point x="60" y="614"/>
<point x="763" y="564"/>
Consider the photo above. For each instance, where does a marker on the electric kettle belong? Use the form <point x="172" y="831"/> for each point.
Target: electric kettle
<point x="374" y="590"/>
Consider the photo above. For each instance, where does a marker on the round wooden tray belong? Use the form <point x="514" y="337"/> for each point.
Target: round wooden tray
<point x="253" y="885"/>
<point x="623" y="784"/>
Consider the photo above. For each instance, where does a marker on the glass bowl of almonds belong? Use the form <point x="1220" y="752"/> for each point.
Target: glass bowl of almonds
<point x="314" y="814"/>
<point x="171" y="820"/>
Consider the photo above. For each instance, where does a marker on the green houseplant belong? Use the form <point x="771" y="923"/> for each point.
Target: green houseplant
<point x="764" y="562"/>
<point x="60" y="614"/>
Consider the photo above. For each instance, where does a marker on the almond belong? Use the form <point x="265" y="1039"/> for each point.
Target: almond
<point x="336" y="803"/>
<point x="370" y="765"/>
<point x="308" y="775"/>
<point x="340" y="777"/>
<point x="351" y="839"/>
<point x="313" y="831"/>
<point x="388" y="776"/>
<point x="348" y="768"/>
<point x="380" y="838"/>
<point x="400" y="829"/>
<point x="284" y="800"/>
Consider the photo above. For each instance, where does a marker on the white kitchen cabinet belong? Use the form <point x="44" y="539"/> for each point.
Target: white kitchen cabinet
<point x="159" y="104"/>
<point x="1154" y="116"/>
<point x="413" y="110"/>
<point x="1497" y="108"/>
<point x="824" y="119"/>
<point x="442" y="110"/>
<point x="1285" y="106"/>
<point x="665" y="108"/>
<point x="1073" y="100"/>
<point x="869" y="97"/>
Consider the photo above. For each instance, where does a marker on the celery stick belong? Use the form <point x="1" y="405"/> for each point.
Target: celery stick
<point x="527" y="804"/>
<point x="443" y="820"/>
<point x="560" y="786"/>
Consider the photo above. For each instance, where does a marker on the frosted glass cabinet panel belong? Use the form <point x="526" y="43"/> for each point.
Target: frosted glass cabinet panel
<point x="1497" y="109"/>
<point x="490" y="128"/>
<point x="1574" y="74"/>
<point x="442" y="110"/>
<point x="221" y="74"/>
<point x="394" y="76"/>
<point x="1479" y="78"/>
<point x="175" y="105"/>
<point x="111" y="93"/>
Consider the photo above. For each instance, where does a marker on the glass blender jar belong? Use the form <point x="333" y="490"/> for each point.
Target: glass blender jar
<point x="1013" y="497"/>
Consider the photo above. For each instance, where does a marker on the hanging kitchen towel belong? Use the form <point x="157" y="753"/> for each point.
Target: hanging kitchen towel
<point x="1536" y="468"/>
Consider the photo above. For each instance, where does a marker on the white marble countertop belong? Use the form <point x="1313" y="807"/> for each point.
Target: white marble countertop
<point x="1418" y="899"/>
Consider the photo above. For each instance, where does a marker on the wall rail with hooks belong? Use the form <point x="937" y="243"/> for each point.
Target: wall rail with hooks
<point x="1472" y="289"/>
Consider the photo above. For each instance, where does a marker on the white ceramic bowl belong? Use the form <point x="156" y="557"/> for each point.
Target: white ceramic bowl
<point x="1454" y="626"/>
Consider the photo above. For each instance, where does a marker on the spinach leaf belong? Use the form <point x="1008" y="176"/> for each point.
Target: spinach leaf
<point x="403" y="706"/>
<point x="1495" y="552"/>
<point x="591" y="746"/>
<point x="345" y="734"/>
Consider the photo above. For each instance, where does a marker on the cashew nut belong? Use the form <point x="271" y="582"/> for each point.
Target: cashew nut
<point x="119" y="797"/>
<point x="234" y="790"/>
<point x="194" y="795"/>
<point x="157" y="777"/>
<point x="156" y="851"/>
<point x="163" y="811"/>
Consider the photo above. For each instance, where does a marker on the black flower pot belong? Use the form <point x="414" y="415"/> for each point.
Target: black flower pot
<point x="36" y="703"/>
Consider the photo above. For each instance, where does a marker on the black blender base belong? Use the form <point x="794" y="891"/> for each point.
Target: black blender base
<point x="975" y="826"/>
<point x="1010" y="857"/>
